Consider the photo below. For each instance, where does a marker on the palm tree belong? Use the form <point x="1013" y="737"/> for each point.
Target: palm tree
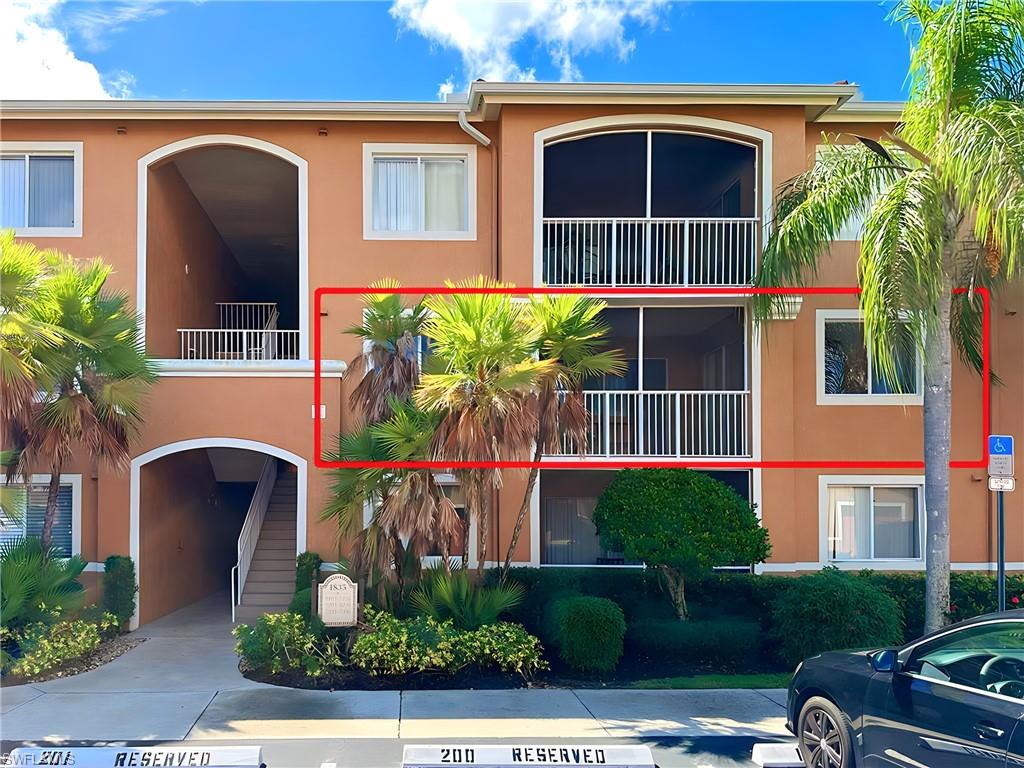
<point x="390" y="357"/>
<point x="411" y="515"/>
<point x="942" y="198"/>
<point x="27" y="312"/>
<point x="93" y="380"/>
<point x="485" y="392"/>
<point x="571" y="335"/>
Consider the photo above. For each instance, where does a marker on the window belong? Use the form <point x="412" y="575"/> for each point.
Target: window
<point x="846" y="373"/>
<point x="873" y="522"/>
<point x="41" y="188"/>
<point x="989" y="657"/>
<point x="66" y="526"/>
<point x="419" y="192"/>
<point x="569" y="537"/>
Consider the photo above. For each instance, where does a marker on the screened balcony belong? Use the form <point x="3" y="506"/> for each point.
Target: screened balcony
<point x="684" y="393"/>
<point x="650" y="208"/>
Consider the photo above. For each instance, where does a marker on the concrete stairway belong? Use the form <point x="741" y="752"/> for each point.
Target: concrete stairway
<point x="271" y="580"/>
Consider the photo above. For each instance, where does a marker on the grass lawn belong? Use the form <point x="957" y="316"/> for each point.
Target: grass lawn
<point x="760" y="680"/>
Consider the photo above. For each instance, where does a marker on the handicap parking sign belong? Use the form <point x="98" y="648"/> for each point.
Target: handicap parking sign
<point x="1000" y="455"/>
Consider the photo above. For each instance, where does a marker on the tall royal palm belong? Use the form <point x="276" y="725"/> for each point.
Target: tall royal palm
<point x="942" y="200"/>
<point x="571" y="335"/>
<point x="96" y="376"/>
<point x="485" y="392"/>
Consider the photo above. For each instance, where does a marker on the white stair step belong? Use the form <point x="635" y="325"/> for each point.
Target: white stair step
<point x="286" y="588"/>
<point x="248" y="614"/>
<point x="270" y="574"/>
<point x="275" y="602"/>
<point x="266" y="543"/>
<point x="277" y="533"/>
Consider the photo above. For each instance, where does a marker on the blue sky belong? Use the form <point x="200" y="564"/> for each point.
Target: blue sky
<point x="409" y="49"/>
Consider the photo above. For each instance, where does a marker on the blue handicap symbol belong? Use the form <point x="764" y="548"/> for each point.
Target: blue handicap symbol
<point x="1000" y="445"/>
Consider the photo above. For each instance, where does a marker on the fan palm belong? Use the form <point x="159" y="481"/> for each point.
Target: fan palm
<point x="486" y="391"/>
<point x="96" y="376"/>
<point x="27" y="314"/>
<point x="942" y="198"/>
<point x="570" y="334"/>
<point x="390" y="356"/>
<point x="452" y="595"/>
<point x="37" y="583"/>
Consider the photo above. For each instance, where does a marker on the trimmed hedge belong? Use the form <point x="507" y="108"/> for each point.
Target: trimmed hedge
<point x="727" y="644"/>
<point x="833" y="610"/>
<point x="119" y="587"/>
<point x="307" y="565"/>
<point x="588" y="632"/>
<point x="301" y="602"/>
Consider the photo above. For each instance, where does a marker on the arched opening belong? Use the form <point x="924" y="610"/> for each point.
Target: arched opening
<point x="217" y="521"/>
<point x="650" y="200"/>
<point x="222" y="251"/>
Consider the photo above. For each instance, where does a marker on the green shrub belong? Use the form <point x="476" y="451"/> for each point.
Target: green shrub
<point x="282" y="641"/>
<point x="301" y="602"/>
<point x="833" y="610"/>
<point x="307" y="565"/>
<point x="423" y="644"/>
<point x="724" y="644"/>
<point x="680" y="521"/>
<point x="454" y="595"/>
<point x="37" y="586"/>
<point x="45" y="646"/>
<point x="119" y="587"/>
<point x="588" y="632"/>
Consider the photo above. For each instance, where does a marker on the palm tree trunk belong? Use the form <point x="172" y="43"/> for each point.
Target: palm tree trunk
<point x="485" y="532"/>
<point x="524" y="510"/>
<point x="50" y="517"/>
<point x="938" y="381"/>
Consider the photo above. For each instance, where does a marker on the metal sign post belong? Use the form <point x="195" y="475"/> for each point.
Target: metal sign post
<point x="1000" y="480"/>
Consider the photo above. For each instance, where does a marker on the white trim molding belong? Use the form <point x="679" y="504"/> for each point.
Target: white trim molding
<point x="823" y="316"/>
<point x="135" y="500"/>
<point x="726" y="130"/>
<point x="253" y="369"/>
<point x="226" y="140"/>
<point x="73" y="149"/>
<point x="466" y="152"/>
<point x="882" y="481"/>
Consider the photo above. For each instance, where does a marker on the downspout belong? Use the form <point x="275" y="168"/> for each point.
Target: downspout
<point x="479" y="137"/>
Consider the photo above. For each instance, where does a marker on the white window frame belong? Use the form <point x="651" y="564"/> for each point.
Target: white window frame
<point x="465" y="152"/>
<point x="823" y="316"/>
<point x="871" y="482"/>
<point x="75" y="482"/>
<point x="73" y="149"/>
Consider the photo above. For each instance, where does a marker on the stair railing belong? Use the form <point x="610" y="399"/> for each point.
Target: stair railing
<point x="250" y="534"/>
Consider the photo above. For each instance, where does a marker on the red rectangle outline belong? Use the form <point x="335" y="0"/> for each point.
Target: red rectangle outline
<point x="319" y="462"/>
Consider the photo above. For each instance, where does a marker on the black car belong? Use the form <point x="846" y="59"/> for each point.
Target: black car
<point x="953" y="698"/>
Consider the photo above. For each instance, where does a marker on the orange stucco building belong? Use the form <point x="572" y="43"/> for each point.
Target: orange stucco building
<point x="221" y="219"/>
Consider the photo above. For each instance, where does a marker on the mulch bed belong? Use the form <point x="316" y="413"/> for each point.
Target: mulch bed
<point x="629" y="672"/>
<point x="107" y="651"/>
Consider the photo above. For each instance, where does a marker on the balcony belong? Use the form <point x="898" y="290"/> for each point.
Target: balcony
<point x="247" y="331"/>
<point x="649" y="207"/>
<point x="684" y="392"/>
<point x="647" y="251"/>
<point x="675" y="424"/>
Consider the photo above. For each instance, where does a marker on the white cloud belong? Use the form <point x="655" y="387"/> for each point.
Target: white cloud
<point x="485" y="32"/>
<point x="37" y="61"/>
<point x="94" y="21"/>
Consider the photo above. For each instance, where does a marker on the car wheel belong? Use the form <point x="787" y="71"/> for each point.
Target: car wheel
<point x="824" y="735"/>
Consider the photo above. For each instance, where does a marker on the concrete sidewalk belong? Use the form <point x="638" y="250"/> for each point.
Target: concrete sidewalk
<point x="183" y="683"/>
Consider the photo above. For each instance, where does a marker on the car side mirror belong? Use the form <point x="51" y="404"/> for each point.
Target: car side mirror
<point x="885" y="660"/>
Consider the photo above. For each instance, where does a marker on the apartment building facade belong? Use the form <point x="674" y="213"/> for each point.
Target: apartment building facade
<point x="221" y="219"/>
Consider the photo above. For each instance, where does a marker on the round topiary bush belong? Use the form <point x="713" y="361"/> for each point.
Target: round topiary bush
<point x="833" y="610"/>
<point x="587" y="631"/>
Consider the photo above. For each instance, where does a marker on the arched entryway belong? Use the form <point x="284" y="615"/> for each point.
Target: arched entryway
<point x="189" y="502"/>
<point x="222" y="260"/>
